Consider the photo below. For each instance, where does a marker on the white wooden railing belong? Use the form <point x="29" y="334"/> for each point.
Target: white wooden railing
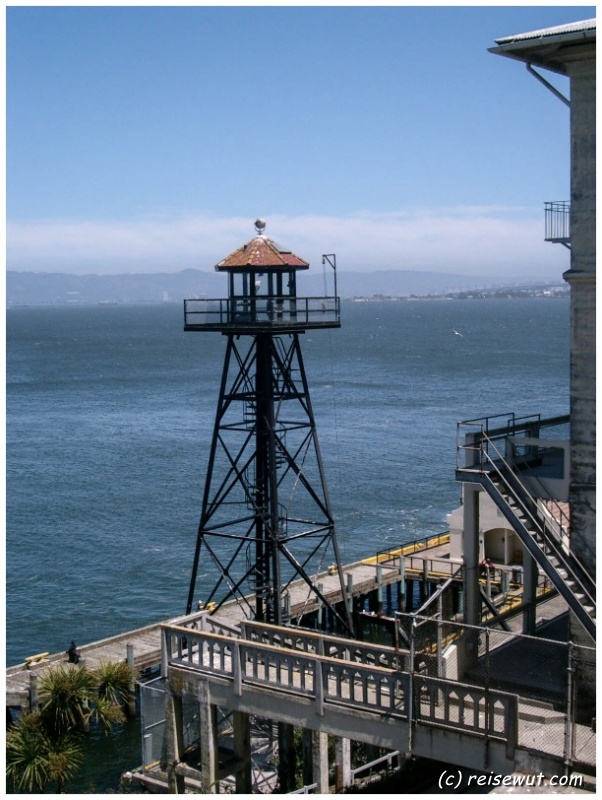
<point x="295" y="665"/>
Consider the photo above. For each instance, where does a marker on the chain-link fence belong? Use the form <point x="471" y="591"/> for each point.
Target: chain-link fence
<point x="154" y="738"/>
<point x="553" y="680"/>
<point x="152" y="715"/>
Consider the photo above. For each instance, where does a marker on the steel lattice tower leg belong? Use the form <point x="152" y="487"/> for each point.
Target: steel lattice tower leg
<point x="266" y="519"/>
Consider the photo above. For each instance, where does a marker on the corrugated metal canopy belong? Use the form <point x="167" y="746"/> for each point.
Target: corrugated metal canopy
<point x="544" y="33"/>
<point x="551" y="48"/>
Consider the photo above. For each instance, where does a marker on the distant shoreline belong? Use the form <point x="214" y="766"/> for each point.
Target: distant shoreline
<point x="551" y="293"/>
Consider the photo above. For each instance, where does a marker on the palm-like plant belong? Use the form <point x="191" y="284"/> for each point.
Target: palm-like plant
<point x="26" y="754"/>
<point x="65" y="694"/>
<point x="65" y="754"/>
<point x="114" y="681"/>
<point x="34" y="758"/>
<point x="44" y="746"/>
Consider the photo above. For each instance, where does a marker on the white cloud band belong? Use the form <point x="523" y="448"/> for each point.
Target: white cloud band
<point x="467" y="240"/>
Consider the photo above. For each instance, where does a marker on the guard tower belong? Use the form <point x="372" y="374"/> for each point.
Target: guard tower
<point x="266" y="519"/>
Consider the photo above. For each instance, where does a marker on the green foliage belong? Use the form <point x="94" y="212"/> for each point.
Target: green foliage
<point x="114" y="679"/>
<point x="34" y="758"/>
<point x="107" y="714"/>
<point x="27" y="754"/>
<point x="65" y="695"/>
<point x="44" y="747"/>
<point x="64" y="757"/>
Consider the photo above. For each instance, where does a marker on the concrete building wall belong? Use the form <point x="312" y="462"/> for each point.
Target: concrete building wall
<point x="497" y="540"/>
<point x="581" y="277"/>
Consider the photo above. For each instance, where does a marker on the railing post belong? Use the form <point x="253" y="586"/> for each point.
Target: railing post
<point x="164" y="651"/>
<point x="568" y="728"/>
<point x="319" y="687"/>
<point x="440" y="636"/>
<point x="511" y="727"/>
<point x="147" y="750"/>
<point x="410" y="699"/>
<point x="237" y="670"/>
<point x="487" y="697"/>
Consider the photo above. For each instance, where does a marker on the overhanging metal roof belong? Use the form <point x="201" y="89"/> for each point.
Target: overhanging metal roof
<point x="549" y="47"/>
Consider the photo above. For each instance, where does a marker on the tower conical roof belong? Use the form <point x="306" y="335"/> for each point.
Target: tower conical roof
<point x="261" y="252"/>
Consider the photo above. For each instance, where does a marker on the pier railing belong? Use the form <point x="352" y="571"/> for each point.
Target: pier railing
<point x="554" y="682"/>
<point x="427" y="542"/>
<point x="415" y="697"/>
<point x="458" y="706"/>
<point x="323" y="645"/>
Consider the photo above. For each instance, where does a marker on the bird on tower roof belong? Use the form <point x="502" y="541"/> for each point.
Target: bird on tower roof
<point x="261" y="252"/>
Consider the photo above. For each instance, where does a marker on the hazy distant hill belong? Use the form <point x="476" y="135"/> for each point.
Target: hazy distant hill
<point x="41" y="288"/>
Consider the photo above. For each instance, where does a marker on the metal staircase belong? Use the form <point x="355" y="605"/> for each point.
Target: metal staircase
<point x="524" y="513"/>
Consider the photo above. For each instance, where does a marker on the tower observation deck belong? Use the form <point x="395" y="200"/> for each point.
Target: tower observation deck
<point x="262" y="295"/>
<point x="266" y="518"/>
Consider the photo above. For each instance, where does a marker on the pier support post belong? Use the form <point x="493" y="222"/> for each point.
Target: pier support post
<point x="174" y="735"/>
<point x="410" y="595"/>
<point x="208" y="731"/>
<point x="402" y="583"/>
<point x="424" y="583"/>
<point x="530" y="576"/>
<point x="242" y="750"/>
<point x="472" y="588"/>
<point x="286" y="758"/>
<point x="472" y="593"/>
<point x="343" y="763"/>
<point x="349" y="598"/>
<point x="320" y="761"/>
<point x="307" y="757"/>
<point x="33" y="692"/>
<point x="131" y="703"/>
<point x="379" y="589"/>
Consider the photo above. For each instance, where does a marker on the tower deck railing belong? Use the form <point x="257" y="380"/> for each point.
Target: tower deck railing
<point x="261" y="312"/>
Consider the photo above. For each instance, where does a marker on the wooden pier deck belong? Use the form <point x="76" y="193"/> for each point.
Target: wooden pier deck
<point x="144" y="643"/>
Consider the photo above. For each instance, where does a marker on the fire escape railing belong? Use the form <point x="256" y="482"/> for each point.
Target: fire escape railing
<point x="558" y="222"/>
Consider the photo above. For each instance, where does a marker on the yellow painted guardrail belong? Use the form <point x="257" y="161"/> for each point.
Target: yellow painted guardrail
<point x="409" y="549"/>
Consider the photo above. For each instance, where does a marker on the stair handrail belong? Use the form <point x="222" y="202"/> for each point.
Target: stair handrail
<point x="563" y="520"/>
<point x="519" y="493"/>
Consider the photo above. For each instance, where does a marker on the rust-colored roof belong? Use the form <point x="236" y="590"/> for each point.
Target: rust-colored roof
<point x="261" y="252"/>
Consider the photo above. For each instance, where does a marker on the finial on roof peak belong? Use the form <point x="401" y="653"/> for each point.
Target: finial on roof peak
<point x="260" y="226"/>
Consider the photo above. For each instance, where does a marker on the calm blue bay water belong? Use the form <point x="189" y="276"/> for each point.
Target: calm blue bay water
<point x="110" y="411"/>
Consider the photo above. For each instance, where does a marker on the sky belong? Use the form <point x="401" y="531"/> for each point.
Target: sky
<point x="148" y="139"/>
